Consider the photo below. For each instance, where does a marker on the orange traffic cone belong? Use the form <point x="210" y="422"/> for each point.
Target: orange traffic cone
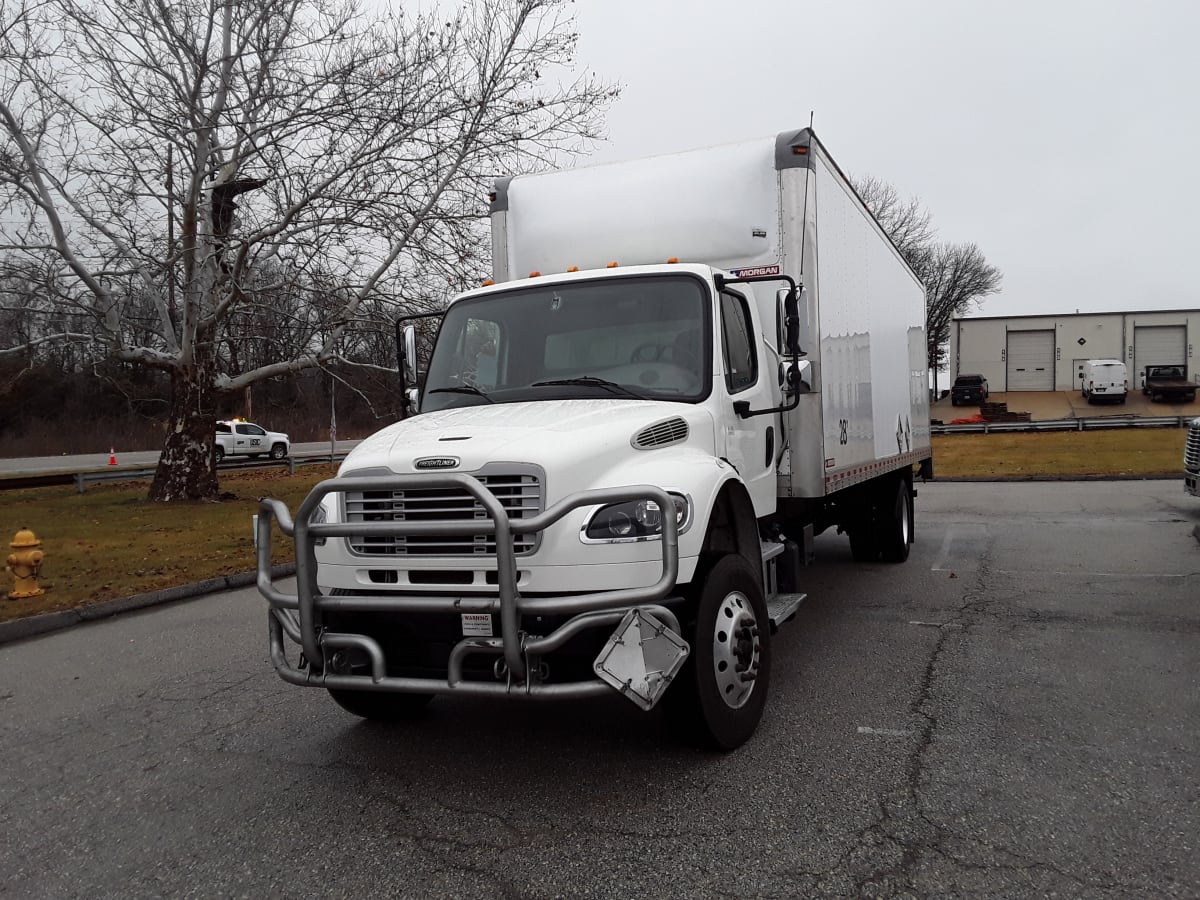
<point x="112" y="456"/>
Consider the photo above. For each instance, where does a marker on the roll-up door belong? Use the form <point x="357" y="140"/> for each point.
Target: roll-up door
<point x="1030" y="359"/>
<point x="1158" y="345"/>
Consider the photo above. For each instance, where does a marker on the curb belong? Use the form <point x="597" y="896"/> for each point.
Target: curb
<point x="32" y="626"/>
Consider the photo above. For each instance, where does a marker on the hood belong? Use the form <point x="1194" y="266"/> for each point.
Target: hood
<point x="547" y="433"/>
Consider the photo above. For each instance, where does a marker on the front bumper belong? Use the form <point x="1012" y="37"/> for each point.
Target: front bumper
<point x="303" y="618"/>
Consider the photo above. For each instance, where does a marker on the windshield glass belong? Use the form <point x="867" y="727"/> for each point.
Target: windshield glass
<point x="635" y="337"/>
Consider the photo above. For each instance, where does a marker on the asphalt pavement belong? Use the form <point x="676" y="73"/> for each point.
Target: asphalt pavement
<point x="1013" y="712"/>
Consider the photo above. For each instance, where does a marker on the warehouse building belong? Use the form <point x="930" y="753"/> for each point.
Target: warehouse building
<point x="1047" y="353"/>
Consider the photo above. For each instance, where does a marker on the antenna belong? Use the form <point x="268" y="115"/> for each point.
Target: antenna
<point x="804" y="215"/>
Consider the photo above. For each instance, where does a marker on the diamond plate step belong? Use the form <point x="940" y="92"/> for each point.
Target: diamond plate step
<point x="781" y="608"/>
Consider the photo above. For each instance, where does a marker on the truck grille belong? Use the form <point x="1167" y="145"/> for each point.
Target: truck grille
<point x="519" y="494"/>
<point x="1191" y="450"/>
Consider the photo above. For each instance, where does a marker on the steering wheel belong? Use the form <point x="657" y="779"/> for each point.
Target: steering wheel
<point x="667" y="353"/>
<point x="648" y="352"/>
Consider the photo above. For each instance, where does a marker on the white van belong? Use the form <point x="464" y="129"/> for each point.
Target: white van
<point x="1105" y="379"/>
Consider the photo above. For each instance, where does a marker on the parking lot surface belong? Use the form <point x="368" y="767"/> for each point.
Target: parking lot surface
<point x="1014" y="712"/>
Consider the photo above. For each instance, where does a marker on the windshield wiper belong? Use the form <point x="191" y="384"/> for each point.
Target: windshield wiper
<point x="462" y="389"/>
<point x="591" y="381"/>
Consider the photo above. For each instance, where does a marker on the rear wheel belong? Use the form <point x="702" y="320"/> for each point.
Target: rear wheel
<point x="722" y="689"/>
<point x="220" y="454"/>
<point x="896" y="528"/>
<point x="381" y="706"/>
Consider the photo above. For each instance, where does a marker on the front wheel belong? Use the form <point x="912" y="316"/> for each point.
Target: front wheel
<point x="278" y="451"/>
<point x="722" y="690"/>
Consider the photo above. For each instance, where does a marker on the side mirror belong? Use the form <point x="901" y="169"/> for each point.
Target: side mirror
<point x="795" y="378"/>
<point x="409" y="354"/>
<point x="790" y="303"/>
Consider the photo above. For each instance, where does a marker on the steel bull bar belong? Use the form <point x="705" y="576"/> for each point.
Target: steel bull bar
<point x="298" y="617"/>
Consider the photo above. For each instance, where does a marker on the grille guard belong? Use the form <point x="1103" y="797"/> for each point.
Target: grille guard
<point x="298" y="615"/>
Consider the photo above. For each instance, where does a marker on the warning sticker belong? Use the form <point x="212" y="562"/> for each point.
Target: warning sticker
<point x="477" y="624"/>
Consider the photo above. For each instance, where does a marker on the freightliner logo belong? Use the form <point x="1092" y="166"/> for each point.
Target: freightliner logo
<point x="437" y="462"/>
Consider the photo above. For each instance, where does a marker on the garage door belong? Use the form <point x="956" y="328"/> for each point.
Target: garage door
<point x="1158" y="345"/>
<point x="1030" y="361"/>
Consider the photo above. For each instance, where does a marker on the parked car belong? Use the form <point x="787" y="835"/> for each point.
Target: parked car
<point x="1104" y="379"/>
<point x="1168" y="383"/>
<point x="969" y="389"/>
<point x="237" y="437"/>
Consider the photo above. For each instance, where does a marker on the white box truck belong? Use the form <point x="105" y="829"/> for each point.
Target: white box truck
<point x="684" y="368"/>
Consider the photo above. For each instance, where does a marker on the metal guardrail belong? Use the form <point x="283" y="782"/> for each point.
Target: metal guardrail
<point x="1084" y="424"/>
<point x="99" y="476"/>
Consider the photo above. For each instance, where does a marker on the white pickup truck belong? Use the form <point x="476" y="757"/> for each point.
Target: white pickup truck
<point x="237" y="437"/>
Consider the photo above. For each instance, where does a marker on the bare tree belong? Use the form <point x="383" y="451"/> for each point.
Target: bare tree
<point x="212" y="161"/>
<point x="956" y="276"/>
<point x="907" y="222"/>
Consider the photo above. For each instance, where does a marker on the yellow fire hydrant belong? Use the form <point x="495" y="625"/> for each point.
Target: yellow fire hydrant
<point x="25" y="564"/>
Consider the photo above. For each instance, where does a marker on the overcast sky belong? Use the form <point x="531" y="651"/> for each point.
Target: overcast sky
<point x="1058" y="136"/>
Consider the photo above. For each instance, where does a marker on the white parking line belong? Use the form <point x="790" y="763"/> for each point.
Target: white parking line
<point x="884" y="732"/>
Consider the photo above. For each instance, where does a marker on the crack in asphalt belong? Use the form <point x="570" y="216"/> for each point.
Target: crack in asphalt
<point x="904" y="825"/>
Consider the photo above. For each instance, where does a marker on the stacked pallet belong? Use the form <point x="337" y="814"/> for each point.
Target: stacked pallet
<point x="998" y="412"/>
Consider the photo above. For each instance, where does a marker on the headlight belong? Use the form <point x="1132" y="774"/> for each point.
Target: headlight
<point x="634" y="520"/>
<point x="318" y="515"/>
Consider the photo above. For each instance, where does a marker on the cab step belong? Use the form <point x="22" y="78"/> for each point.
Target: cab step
<point x="782" y="608"/>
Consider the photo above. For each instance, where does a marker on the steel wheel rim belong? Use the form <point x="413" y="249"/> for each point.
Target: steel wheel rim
<point x="736" y="650"/>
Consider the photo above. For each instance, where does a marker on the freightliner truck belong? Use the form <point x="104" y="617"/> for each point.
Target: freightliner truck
<point x="683" y="368"/>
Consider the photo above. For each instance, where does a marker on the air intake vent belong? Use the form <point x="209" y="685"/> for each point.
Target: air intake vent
<point x="660" y="434"/>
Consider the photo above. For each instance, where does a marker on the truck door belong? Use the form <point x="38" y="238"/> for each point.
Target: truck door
<point x="751" y="443"/>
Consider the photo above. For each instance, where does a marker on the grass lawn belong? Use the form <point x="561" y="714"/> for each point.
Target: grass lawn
<point x="111" y="542"/>
<point x="1120" y="451"/>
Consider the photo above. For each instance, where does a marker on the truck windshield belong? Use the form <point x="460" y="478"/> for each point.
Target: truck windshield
<point x="635" y="337"/>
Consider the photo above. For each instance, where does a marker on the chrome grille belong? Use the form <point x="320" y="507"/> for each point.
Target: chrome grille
<point x="520" y="495"/>
<point x="1191" y="450"/>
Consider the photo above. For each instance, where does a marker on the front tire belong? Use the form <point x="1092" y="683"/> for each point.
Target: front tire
<point x="380" y="706"/>
<point x="722" y="689"/>
<point x="278" y="451"/>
